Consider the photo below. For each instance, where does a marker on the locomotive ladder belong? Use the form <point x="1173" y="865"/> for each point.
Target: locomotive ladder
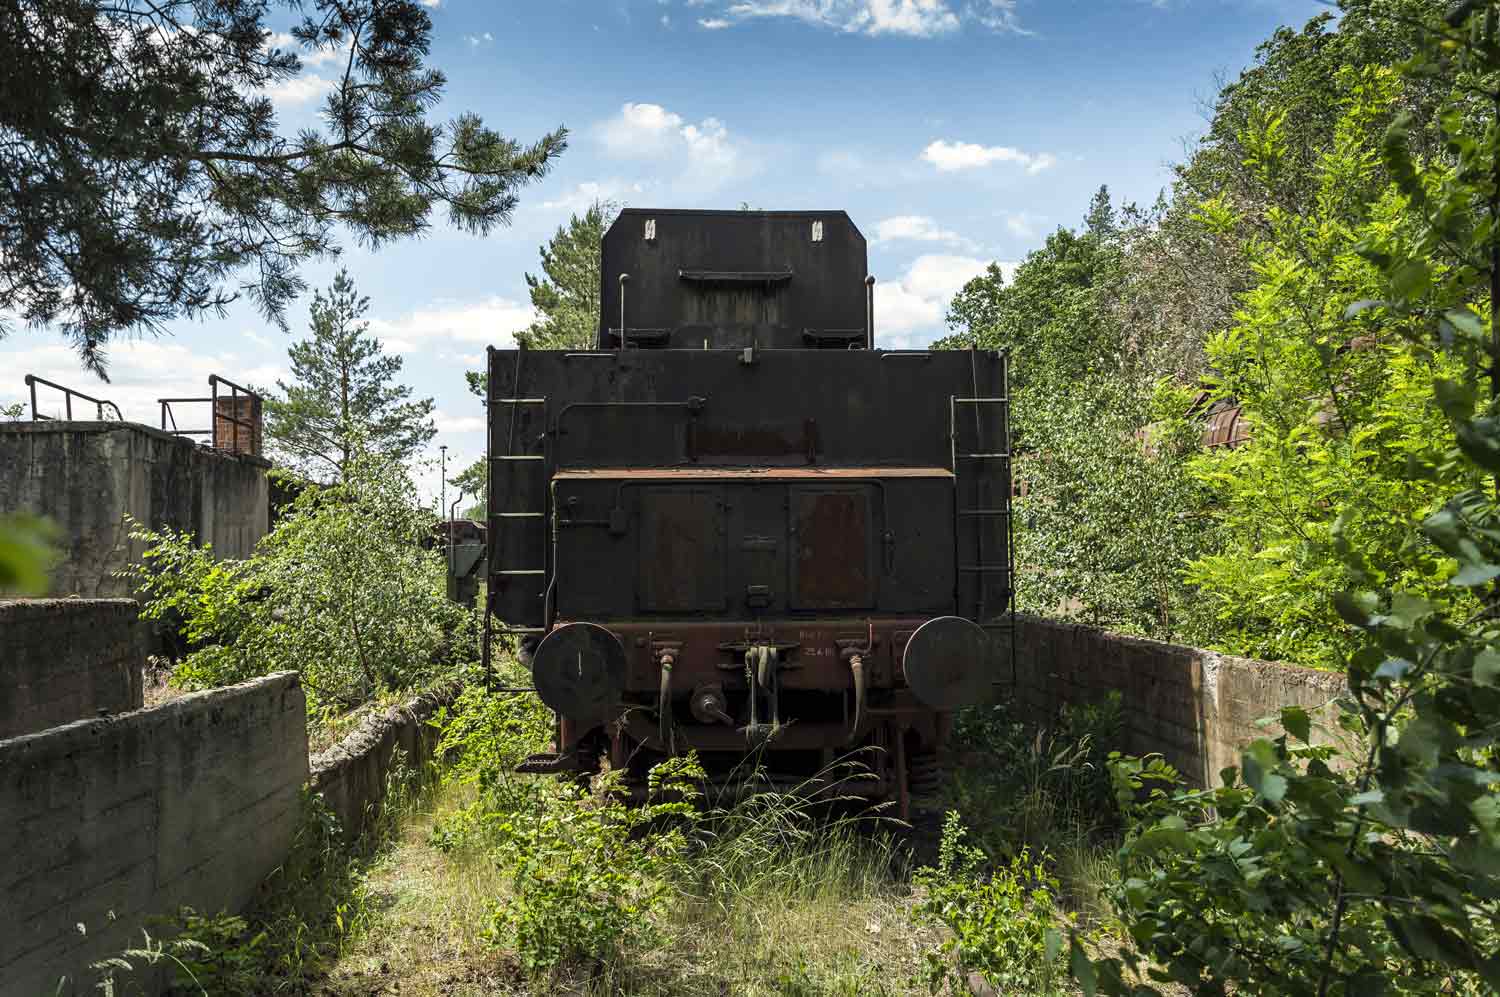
<point x="988" y="469"/>
<point x="510" y="465"/>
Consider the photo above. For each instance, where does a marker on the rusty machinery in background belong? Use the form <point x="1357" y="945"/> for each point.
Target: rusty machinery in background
<point x="735" y="526"/>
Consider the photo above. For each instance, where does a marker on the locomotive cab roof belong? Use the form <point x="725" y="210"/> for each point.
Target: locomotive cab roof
<point x="690" y="279"/>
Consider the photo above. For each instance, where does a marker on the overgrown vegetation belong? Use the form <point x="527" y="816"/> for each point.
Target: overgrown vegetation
<point x="341" y="591"/>
<point x="1362" y="356"/>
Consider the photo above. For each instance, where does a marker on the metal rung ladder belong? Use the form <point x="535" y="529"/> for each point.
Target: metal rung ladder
<point x="977" y="459"/>
<point x="523" y="516"/>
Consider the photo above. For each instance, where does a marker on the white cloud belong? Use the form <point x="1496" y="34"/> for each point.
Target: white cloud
<point x="950" y="156"/>
<point x="916" y="228"/>
<point x="449" y="423"/>
<point x="909" y="18"/>
<point x="909" y="312"/>
<point x="141" y="372"/>
<point x="998" y="15"/>
<point x="917" y="18"/>
<point x="1021" y="224"/>
<point x="316" y="57"/>
<point x="431" y="3"/>
<point x="299" y="89"/>
<point x="708" y="155"/>
<point x="586" y="195"/>
<point x="477" y="40"/>
<point x="493" y="322"/>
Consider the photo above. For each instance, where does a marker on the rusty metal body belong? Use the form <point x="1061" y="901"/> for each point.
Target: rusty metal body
<point x="757" y="510"/>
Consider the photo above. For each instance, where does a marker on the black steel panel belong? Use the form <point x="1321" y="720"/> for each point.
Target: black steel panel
<point x="681" y="567"/>
<point x="864" y="407"/>
<point x="733" y="278"/>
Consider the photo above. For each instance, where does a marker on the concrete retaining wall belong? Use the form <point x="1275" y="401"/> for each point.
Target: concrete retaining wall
<point x="1197" y="708"/>
<point x="194" y="802"/>
<point x="87" y="476"/>
<point x="351" y="776"/>
<point x="67" y="659"/>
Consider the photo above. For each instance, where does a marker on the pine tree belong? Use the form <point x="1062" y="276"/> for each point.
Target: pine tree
<point x="567" y="293"/>
<point x="148" y="178"/>
<point x="344" y="397"/>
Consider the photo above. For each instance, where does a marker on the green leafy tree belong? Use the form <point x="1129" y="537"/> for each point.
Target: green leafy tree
<point x="1340" y="411"/>
<point x="566" y="295"/>
<point x="1108" y="516"/>
<point x="149" y="178"/>
<point x="344" y="396"/>
<point x="474" y="482"/>
<point x="1374" y="868"/>
<point x="341" y="591"/>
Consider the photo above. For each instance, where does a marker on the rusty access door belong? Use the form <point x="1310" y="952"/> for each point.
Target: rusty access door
<point x="832" y="545"/>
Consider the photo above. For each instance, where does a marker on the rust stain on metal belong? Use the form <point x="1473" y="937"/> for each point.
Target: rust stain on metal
<point x="833" y="550"/>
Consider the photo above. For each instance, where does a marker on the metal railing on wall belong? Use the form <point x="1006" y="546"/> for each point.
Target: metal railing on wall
<point x="239" y="410"/>
<point x="68" y="395"/>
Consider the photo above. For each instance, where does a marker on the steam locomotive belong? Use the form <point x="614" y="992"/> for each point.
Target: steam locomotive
<point x="735" y="526"/>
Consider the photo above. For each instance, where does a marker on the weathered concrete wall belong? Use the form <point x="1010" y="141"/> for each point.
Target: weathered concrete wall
<point x="87" y="476"/>
<point x="194" y="802"/>
<point x="1197" y="708"/>
<point x="67" y="659"/>
<point x="351" y="776"/>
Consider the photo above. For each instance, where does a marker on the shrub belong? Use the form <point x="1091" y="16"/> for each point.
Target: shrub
<point x="340" y="591"/>
<point x="1040" y="780"/>
<point x="589" y="874"/>
<point x="1003" y="923"/>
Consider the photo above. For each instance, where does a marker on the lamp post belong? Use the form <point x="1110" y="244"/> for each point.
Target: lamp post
<point x="443" y="502"/>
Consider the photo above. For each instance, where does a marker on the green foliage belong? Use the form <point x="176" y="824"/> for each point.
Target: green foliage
<point x="485" y="735"/>
<point x="340" y="590"/>
<point x="25" y="553"/>
<point x="1042" y="782"/>
<point x="1375" y="868"/>
<point x="344" y="397"/>
<point x="1341" y="413"/>
<point x="566" y="295"/>
<point x="590" y="873"/>
<point x="1050" y="316"/>
<point x="153" y="174"/>
<point x="1110" y="514"/>
<point x="205" y="955"/>
<point x="1003" y="923"/>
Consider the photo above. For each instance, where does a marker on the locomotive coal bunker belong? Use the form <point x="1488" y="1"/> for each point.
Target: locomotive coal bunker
<point x="737" y="527"/>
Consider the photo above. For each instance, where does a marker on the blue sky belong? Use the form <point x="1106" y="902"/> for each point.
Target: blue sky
<point x="954" y="132"/>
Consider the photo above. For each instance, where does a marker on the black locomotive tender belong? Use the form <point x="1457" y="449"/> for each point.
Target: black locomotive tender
<point x="737" y="526"/>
